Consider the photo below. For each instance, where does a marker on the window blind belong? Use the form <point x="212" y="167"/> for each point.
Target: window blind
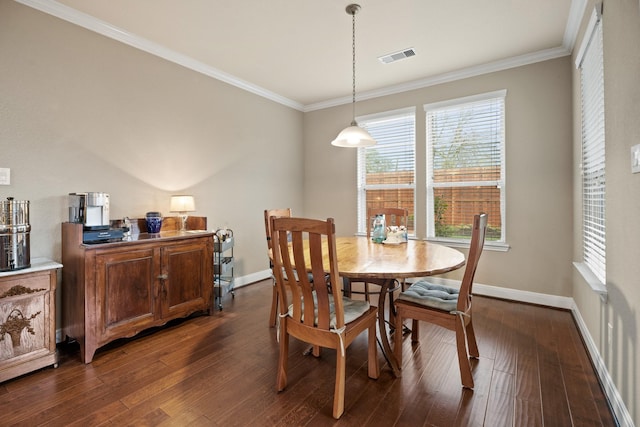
<point x="386" y="171"/>
<point x="465" y="166"/>
<point x="467" y="138"/>
<point x="593" y="153"/>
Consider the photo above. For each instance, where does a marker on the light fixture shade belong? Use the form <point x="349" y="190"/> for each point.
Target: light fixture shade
<point x="353" y="136"/>
<point x="182" y="204"/>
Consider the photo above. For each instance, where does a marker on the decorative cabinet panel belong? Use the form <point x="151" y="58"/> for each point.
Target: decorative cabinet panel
<point x="125" y="286"/>
<point x="116" y="290"/>
<point x="27" y="319"/>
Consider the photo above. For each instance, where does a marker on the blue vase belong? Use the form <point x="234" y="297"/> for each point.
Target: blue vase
<point x="154" y="222"/>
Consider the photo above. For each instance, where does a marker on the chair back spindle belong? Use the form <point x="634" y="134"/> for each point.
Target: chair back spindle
<point x="475" y="250"/>
<point x="268" y="213"/>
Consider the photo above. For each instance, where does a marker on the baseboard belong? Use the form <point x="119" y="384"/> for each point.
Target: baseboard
<point x="239" y="282"/>
<point x="615" y="400"/>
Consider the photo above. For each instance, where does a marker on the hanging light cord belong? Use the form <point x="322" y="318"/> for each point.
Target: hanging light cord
<point x="353" y="63"/>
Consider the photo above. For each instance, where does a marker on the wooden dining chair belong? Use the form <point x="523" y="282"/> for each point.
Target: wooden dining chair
<point x="317" y="313"/>
<point x="268" y="213"/>
<point x="393" y="216"/>
<point x="446" y="307"/>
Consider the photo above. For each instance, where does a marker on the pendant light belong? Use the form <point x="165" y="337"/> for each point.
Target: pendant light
<point x="353" y="136"/>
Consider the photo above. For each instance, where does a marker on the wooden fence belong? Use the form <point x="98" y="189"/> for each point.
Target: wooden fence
<point x="456" y="205"/>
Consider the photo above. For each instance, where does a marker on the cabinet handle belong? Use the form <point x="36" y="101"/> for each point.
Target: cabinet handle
<point x="163" y="276"/>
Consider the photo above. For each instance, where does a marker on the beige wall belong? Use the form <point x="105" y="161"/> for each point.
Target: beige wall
<point x="619" y="348"/>
<point x="538" y="159"/>
<point x="81" y="112"/>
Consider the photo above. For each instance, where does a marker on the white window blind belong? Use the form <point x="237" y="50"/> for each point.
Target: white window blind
<point x="465" y="166"/>
<point x="590" y="62"/>
<point x="386" y="171"/>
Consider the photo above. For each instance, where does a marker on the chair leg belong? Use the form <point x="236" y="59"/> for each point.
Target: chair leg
<point x="283" y="357"/>
<point x="463" y="357"/>
<point x="415" y="332"/>
<point x="274" y="306"/>
<point x="471" y="340"/>
<point x="338" y="394"/>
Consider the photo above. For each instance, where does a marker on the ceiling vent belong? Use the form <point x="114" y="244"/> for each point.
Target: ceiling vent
<point x="396" y="56"/>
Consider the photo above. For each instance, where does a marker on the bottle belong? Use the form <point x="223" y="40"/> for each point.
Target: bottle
<point x="379" y="229"/>
<point x="126" y="226"/>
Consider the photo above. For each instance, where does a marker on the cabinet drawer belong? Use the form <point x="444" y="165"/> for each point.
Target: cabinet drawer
<point x="19" y="286"/>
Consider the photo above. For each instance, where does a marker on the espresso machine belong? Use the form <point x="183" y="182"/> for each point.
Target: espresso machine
<point x="92" y="211"/>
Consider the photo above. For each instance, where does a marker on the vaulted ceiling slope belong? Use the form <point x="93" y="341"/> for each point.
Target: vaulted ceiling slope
<point x="298" y="52"/>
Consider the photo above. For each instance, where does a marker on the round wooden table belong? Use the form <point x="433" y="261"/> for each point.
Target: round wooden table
<point x="359" y="259"/>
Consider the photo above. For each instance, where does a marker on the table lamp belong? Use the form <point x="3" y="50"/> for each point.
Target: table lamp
<point x="183" y="204"/>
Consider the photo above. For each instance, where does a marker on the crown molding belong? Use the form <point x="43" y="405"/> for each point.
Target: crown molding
<point x="76" y="17"/>
<point x="491" y="67"/>
<point x="576" y="13"/>
<point x="104" y="28"/>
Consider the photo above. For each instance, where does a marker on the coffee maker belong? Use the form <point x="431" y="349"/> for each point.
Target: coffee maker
<point x="92" y="211"/>
<point x="89" y="209"/>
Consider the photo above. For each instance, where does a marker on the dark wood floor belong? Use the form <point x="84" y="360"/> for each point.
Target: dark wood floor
<point x="220" y="370"/>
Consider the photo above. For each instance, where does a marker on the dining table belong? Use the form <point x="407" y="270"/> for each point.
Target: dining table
<point x="362" y="260"/>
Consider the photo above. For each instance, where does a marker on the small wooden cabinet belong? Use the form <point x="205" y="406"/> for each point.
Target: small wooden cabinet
<point x="27" y="318"/>
<point x="115" y="290"/>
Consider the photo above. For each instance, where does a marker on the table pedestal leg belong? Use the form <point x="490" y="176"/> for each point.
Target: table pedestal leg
<point x="385" y="285"/>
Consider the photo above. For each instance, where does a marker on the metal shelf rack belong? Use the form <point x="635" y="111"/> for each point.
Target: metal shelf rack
<point x="223" y="261"/>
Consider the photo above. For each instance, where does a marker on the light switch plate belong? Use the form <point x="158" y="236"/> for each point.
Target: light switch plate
<point x="5" y="176"/>
<point x="635" y="158"/>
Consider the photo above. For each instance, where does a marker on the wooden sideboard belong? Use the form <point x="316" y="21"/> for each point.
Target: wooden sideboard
<point x="118" y="289"/>
<point x="28" y="318"/>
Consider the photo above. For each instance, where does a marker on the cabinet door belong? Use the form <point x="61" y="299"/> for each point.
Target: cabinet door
<point x="126" y="286"/>
<point x="187" y="278"/>
<point x="24" y="316"/>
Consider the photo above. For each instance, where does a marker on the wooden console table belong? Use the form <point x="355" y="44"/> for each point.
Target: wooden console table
<point x="28" y="318"/>
<point x="118" y="289"/>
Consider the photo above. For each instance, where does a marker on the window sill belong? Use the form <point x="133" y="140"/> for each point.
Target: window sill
<point x="488" y="246"/>
<point x="594" y="283"/>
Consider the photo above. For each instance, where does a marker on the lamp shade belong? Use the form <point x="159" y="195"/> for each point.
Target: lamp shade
<point x="353" y="136"/>
<point x="182" y="204"/>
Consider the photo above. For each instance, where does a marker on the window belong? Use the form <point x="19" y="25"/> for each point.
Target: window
<point x="465" y="166"/>
<point x="386" y="171"/>
<point x="590" y="62"/>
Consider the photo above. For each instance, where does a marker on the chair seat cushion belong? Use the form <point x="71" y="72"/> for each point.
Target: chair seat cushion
<point x="353" y="309"/>
<point x="431" y="295"/>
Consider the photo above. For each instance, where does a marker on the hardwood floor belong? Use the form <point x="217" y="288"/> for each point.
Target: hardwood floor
<point x="220" y="370"/>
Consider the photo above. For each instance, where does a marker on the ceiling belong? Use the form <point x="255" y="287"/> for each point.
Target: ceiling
<point x="298" y="52"/>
